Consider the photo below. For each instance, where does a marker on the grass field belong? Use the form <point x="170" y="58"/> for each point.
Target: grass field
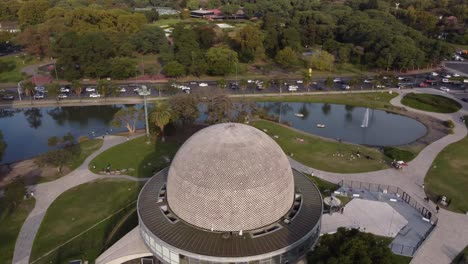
<point x="137" y="157"/>
<point x="10" y="225"/>
<point x="431" y="103"/>
<point x="75" y="211"/>
<point x="372" y="100"/>
<point x="448" y="176"/>
<point x="323" y="154"/>
<point x="12" y="66"/>
<point x="168" y="22"/>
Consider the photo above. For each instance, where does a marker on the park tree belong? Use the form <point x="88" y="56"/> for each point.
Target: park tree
<point x="291" y="38"/>
<point x="35" y="39"/>
<point x="151" y="15"/>
<point x="219" y="108"/>
<point x="77" y="87"/>
<point x="14" y="193"/>
<point x="68" y="56"/>
<point x="250" y="40"/>
<point x="174" y="69"/>
<point x="221" y="60"/>
<point x="122" y="68"/>
<point x="322" y="61"/>
<point x="95" y="49"/>
<point x="186" y="46"/>
<point x="184" y="108"/>
<point x="206" y="35"/>
<point x="53" y="89"/>
<point x="127" y="116"/>
<point x="329" y="82"/>
<point x="33" y="12"/>
<point x="150" y="39"/>
<point x="161" y="115"/>
<point x="193" y="4"/>
<point x="221" y="83"/>
<point x="104" y="87"/>
<point x="351" y="246"/>
<point x="3" y="145"/>
<point x="287" y="58"/>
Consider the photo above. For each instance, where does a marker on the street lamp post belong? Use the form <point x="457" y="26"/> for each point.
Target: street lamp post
<point x="145" y="92"/>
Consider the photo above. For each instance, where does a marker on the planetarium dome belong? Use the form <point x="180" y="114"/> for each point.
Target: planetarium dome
<point x="230" y="177"/>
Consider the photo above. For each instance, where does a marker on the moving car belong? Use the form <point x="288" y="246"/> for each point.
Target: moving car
<point x="445" y="89"/>
<point x="39" y="96"/>
<point x="90" y="89"/>
<point x="203" y="84"/>
<point x="95" y="95"/>
<point x="8" y="97"/>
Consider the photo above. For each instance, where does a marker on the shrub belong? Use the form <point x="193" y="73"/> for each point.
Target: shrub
<point x="83" y="139"/>
<point x="449" y="124"/>
<point x="398" y="154"/>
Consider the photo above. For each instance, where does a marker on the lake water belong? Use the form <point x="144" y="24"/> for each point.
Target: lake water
<point x="27" y="130"/>
<point x="346" y="123"/>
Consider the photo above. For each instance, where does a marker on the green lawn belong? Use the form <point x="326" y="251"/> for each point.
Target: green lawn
<point x="13" y="65"/>
<point x="431" y="103"/>
<point x="325" y="187"/>
<point x="372" y="100"/>
<point x="10" y="225"/>
<point x="137" y="157"/>
<point x="448" y="176"/>
<point x="75" y="211"/>
<point x="321" y="153"/>
<point x="168" y="22"/>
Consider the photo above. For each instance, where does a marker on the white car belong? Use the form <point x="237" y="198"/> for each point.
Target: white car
<point x="445" y="80"/>
<point x="90" y="89"/>
<point x="456" y="75"/>
<point x="95" y="95"/>
<point x="250" y="81"/>
<point x="300" y="81"/>
<point x="64" y="90"/>
<point x="345" y="87"/>
<point x="61" y="96"/>
<point x="337" y="80"/>
<point x="203" y="84"/>
<point x="447" y="76"/>
<point x="193" y="83"/>
<point x="293" y="88"/>
<point x="445" y="89"/>
<point x="400" y="78"/>
<point x="380" y="86"/>
<point x="367" y="81"/>
<point x="122" y="89"/>
<point x="434" y="74"/>
<point x="39" y="88"/>
<point x="39" y="96"/>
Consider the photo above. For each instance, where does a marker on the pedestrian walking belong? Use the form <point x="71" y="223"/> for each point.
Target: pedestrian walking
<point x="342" y="210"/>
<point x="422" y="186"/>
<point x="437" y="208"/>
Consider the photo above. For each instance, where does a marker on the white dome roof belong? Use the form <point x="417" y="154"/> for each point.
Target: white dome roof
<point x="230" y="177"/>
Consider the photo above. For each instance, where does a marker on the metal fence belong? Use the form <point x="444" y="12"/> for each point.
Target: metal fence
<point x="384" y="188"/>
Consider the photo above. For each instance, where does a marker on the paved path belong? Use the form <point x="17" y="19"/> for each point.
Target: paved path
<point x="451" y="234"/>
<point x="46" y="193"/>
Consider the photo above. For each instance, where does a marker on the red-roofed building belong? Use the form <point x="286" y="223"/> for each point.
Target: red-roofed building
<point x="41" y="80"/>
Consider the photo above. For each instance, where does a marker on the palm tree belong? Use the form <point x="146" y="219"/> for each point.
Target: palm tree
<point x="161" y="116"/>
<point x="77" y="87"/>
<point x="29" y="89"/>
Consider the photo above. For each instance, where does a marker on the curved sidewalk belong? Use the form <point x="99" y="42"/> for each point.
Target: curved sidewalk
<point x="46" y="193"/>
<point x="451" y="234"/>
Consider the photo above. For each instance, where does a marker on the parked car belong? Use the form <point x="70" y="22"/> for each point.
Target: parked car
<point x="40" y="89"/>
<point x="293" y="88"/>
<point x="445" y="89"/>
<point x="8" y="97"/>
<point x="456" y="75"/>
<point x="337" y="80"/>
<point x="465" y="99"/>
<point x="380" y="86"/>
<point x="39" y="96"/>
<point x="90" y="89"/>
<point x="434" y="74"/>
<point x="234" y="86"/>
<point x="445" y="80"/>
<point x="122" y="89"/>
<point x="400" y="78"/>
<point x="62" y="96"/>
<point x="203" y="84"/>
<point x="193" y="83"/>
<point x="367" y="81"/>
<point x="345" y="87"/>
<point x="423" y="84"/>
<point x="64" y="90"/>
<point x="94" y="95"/>
<point x="300" y="81"/>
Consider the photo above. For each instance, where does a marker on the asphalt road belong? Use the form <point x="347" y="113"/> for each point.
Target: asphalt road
<point x="159" y="90"/>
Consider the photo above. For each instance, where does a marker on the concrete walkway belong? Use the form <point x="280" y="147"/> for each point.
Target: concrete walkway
<point x="451" y="234"/>
<point x="46" y="193"/>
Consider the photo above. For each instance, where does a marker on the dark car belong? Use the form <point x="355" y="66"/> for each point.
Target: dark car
<point x="465" y="100"/>
<point x="8" y="97"/>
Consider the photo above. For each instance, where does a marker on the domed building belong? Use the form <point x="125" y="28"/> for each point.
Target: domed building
<point x="229" y="196"/>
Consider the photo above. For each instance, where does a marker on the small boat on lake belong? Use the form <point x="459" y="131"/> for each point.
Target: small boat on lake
<point x="299" y="115"/>
<point x="320" y="125"/>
